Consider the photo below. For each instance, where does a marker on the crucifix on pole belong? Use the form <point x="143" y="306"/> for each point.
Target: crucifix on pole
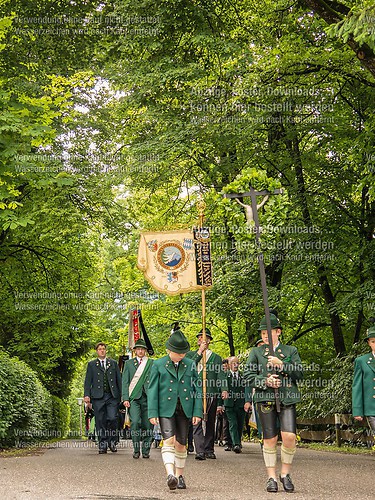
<point x="252" y="216"/>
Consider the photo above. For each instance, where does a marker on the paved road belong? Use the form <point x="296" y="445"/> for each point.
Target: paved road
<point x="74" y="470"/>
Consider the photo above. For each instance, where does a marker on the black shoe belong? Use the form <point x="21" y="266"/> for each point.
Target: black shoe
<point x="200" y="456"/>
<point x="272" y="485"/>
<point x="172" y="482"/>
<point x="287" y="483"/>
<point x="102" y="451"/>
<point x="190" y="448"/>
<point x="181" y="483"/>
<point x="146" y="456"/>
<point x="211" y="454"/>
<point x="136" y="454"/>
<point x="237" y="448"/>
<point x="228" y="448"/>
<point x="113" y="448"/>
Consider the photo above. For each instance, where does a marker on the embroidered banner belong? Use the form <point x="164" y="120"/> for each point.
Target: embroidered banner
<point x="170" y="261"/>
<point x="134" y="334"/>
<point x="137" y="330"/>
<point x="203" y="256"/>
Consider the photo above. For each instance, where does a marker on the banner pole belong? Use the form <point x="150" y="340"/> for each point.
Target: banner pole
<point x="201" y="208"/>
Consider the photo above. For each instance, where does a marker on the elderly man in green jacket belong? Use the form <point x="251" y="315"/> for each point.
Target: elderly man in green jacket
<point x="363" y="389"/>
<point x="234" y="405"/>
<point x="135" y="380"/>
<point x="266" y="373"/>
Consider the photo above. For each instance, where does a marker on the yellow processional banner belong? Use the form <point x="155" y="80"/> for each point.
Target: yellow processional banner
<point x="176" y="262"/>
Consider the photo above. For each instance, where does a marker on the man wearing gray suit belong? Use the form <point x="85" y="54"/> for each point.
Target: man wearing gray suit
<point x="103" y="392"/>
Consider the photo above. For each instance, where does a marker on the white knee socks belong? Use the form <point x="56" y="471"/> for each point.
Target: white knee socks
<point x="269" y="455"/>
<point x="180" y="459"/>
<point x="287" y="454"/>
<point x="168" y="454"/>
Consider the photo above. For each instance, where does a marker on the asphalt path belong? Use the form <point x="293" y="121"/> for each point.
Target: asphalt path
<point x="75" y="470"/>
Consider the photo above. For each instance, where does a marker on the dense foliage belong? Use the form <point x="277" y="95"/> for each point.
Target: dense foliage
<point x="28" y="413"/>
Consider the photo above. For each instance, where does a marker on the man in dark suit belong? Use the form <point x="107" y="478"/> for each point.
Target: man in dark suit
<point x="103" y="391"/>
<point x="135" y="380"/>
<point x="216" y="388"/>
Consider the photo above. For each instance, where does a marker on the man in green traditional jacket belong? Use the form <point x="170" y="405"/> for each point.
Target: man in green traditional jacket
<point x="234" y="404"/>
<point x="266" y="374"/>
<point x="174" y="397"/>
<point x="135" y="380"/>
<point x="363" y="389"/>
<point x="216" y="389"/>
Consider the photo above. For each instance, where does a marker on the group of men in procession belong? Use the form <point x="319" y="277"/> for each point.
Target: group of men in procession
<point x="168" y="393"/>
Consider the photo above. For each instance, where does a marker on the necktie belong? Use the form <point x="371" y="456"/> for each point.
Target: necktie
<point x="103" y="366"/>
<point x="140" y="361"/>
<point x="176" y="366"/>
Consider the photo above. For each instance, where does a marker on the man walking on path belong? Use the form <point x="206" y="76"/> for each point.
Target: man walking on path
<point x="173" y="398"/>
<point x="234" y="404"/>
<point x="266" y="374"/>
<point x="216" y="388"/>
<point x="363" y="389"/>
<point x="102" y="389"/>
<point x="135" y="380"/>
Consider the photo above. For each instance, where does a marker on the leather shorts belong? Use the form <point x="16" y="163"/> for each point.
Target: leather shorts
<point x="177" y="425"/>
<point x="272" y="421"/>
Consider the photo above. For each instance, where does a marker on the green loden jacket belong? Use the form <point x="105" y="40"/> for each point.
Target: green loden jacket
<point x="94" y="380"/>
<point x="363" y="388"/>
<point x="130" y="367"/>
<point x="256" y="371"/>
<point x="237" y="391"/>
<point x="166" y="386"/>
<point x="216" y="377"/>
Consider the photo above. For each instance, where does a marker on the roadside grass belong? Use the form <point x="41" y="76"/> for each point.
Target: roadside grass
<point x="344" y="448"/>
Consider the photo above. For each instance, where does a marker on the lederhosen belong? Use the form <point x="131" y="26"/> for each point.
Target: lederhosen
<point x="177" y="425"/>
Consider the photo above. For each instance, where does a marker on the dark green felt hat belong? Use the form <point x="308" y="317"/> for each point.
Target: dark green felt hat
<point x="370" y="333"/>
<point x="140" y="343"/>
<point x="208" y="333"/>
<point x="275" y="322"/>
<point x="177" y="342"/>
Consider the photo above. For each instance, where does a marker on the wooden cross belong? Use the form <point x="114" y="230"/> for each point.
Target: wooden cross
<point x="252" y="215"/>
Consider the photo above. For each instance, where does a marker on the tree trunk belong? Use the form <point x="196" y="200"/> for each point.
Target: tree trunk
<point x="292" y="143"/>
